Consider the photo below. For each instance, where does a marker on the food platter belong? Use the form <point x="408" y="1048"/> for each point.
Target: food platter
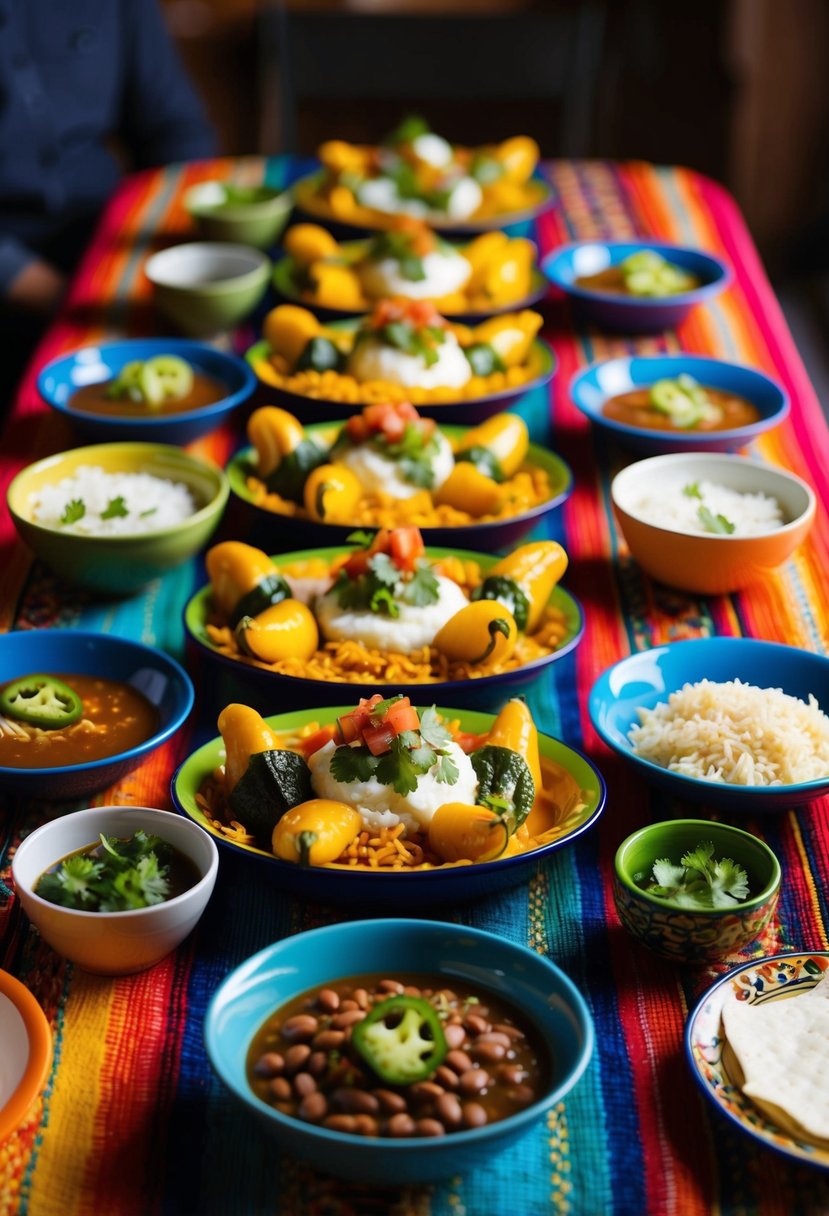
<point x="419" y="888"/>
<point x="779" y="977"/>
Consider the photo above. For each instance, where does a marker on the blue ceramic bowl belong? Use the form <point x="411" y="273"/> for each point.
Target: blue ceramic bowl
<point x="161" y="680"/>
<point x="591" y="388"/>
<point x="59" y="379"/>
<point x="525" y="980"/>
<point x="632" y="314"/>
<point x="269" y="530"/>
<point x="384" y="890"/>
<point x="463" y="413"/>
<point x="228" y="679"/>
<point x="647" y="678"/>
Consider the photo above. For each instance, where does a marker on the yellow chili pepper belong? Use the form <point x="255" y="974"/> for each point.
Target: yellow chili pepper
<point x="332" y="492"/>
<point x="467" y="489"/>
<point x="483" y="633"/>
<point x="316" y="832"/>
<point x="288" y="329"/>
<point x="505" y="435"/>
<point x="275" y="434"/>
<point x="245" y="734"/>
<point x="287" y="630"/>
<point x="511" y="335"/>
<point x="536" y="568"/>
<point x="514" y="728"/>
<point x="234" y="570"/>
<point x="307" y="243"/>
<point x="461" y="832"/>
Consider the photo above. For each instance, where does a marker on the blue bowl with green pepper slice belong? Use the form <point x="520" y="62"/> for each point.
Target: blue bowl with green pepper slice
<point x="635" y="286"/>
<point x="682" y="417"/>
<point x="57" y="655"/>
<point x="143" y="368"/>
<point x="458" y="958"/>
<point x="581" y="796"/>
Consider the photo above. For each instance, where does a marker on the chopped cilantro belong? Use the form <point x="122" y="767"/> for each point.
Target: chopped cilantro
<point x="410" y="754"/>
<point x="717" y="524"/>
<point x="398" y="246"/>
<point x="149" y="511"/>
<point x="422" y="588"/>
<point x="420" y="342"/>
<point x="414" y="452"/>
<point x="699" y="881"/>
<point x="118" y="876"/>
<point x="361" y="538"/>
<point x="350" y="763"/>
<point x="116" y="509"/>
<point x="433" y="730"/>
<point x="382" y="588"/>
<point x="692" y="490"/>
<point x="73" y="511"/>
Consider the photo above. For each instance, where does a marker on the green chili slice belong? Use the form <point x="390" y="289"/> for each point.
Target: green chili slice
<point x="401" y="1040"/>
<point x="41" y="701"/>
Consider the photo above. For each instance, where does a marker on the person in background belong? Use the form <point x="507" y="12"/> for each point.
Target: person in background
<point x="87" y="89"/>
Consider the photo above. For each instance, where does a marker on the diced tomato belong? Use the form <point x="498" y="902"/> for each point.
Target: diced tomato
<point x="314" y="742"/>
<point x="356" y="428"/>
<point x="378" y="737"/>
<point x="381" y="542"/>
<point x="406" y="546"/>
<point x="468" y="742"/>
<point x="357" y="563"/>
<point x="352" y="723"/>
<point x="402" y="715"/>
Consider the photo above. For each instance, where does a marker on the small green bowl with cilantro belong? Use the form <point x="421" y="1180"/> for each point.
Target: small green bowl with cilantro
<point x="246" y="215"/>
<point x="694" y="891"/>
<point x="123" y="918"/>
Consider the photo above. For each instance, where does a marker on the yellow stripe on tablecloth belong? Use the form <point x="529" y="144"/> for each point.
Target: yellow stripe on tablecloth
<point x="60" y="1177"/>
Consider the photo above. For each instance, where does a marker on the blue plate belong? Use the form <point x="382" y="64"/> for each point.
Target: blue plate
<point x="91" y="364"/>
<point x="632" y="314"/>
<point x="647" y="678"/>
<point x="269" y="530"/>
<point x="416" y="888"/>
<point x="591" y="388"/>
<point x="471" y="412"/>
<point x="228" y="679"/>
<point x="66" y="651"/>
<point x="521" y="978"/>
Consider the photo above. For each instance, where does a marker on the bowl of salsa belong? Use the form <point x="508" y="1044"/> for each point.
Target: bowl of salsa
<point x="678" y="403"/>
<point x="160" y="390"/>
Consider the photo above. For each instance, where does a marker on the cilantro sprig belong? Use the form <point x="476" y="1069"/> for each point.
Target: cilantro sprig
<point x="115" y="876"/>
<point x="718" y="524"/>
<point x="116" y="509"/>
<point x="699" y="881"/>
<point x="421" y="341"/>
<point x="382" y="588"/>
<point x="411" y="754"/>
<point x="414" y="452"/>
<point x="74" y="510"/>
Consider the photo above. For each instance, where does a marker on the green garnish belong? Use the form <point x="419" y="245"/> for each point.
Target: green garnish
<point x="411" y="754"/>
<point x="718" y="524"/>
<point x="402" y="335"/>
<point x="408" y="130"/>
<point x="73" y="511"/>
<point x="691" y="490"/>
<point x="699" y="881"/>
<point x="118" y="876"/>
<point x="116" y="509"/>
<point x="382" y="588"/>
<point x="414" y="453"/>
<point x="485" y="169"/>
<point x="149" y="511"/>
<point x="398" y="246"/>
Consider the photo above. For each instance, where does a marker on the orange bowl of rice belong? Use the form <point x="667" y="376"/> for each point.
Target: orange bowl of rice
<point x="386" y="864"/>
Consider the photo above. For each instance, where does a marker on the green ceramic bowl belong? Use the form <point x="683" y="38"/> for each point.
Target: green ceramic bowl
<point x="246" y="215"/>
<point x="206" y="287"/>
<point x="691" y="935"/>
<point x="120" y="564"/>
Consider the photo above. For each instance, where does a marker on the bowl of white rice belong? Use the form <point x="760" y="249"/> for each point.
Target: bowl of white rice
<point x="711" y="523"/>
<point x="114" y="516"/>
<point x="736" y="723"/>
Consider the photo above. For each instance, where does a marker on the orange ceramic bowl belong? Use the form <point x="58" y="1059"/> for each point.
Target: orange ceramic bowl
<point x="25" y="1052"/>
<point x="705" y="562"/>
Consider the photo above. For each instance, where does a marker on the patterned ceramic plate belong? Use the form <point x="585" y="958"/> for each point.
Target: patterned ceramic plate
<point x="768" y="979"/>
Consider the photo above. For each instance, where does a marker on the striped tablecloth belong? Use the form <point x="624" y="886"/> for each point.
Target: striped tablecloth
<point x="132" y="1120"/>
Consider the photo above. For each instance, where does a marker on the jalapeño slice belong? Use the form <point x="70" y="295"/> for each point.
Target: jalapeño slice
<point x="401" y="1040"/>
<point x="41" y="701"/>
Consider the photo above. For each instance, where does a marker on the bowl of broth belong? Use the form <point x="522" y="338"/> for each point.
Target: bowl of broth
<point x="91" y="932"/>
<point x="138" y="389"/>
<point x="678" y="403"/>
<point x="80" y="710"/>
<point x="397" y="1132"/>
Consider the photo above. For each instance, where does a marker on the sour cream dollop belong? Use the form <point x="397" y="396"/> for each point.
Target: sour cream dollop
<point x="373" y="359"/>
<point x="412" y="629"/>
<point x="445" y="273"/>
<point x="378" y="474"/>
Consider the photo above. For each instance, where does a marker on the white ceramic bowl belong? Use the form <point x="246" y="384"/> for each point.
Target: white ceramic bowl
<point x="114" y="943"/>
<point x="25" y="1052"/>
<point x="708" y="563"/>
<point x="206" y="287"/>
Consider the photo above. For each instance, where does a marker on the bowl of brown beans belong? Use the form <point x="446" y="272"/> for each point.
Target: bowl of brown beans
<point x="396" y="1051"/>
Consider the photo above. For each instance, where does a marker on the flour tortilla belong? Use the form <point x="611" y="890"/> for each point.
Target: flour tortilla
<point x="778" y="1054"/>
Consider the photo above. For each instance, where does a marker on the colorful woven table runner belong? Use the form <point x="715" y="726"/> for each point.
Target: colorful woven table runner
<point x="132" y="1121"/>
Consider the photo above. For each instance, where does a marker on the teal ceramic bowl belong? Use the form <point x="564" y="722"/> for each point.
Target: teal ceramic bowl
<point x="246" y="215"/>
<point x="523" y="979"/>
<point x="230" y="679"/>
<point x="691" y="935"/>
<point x="288" y="285"/>
<point x="207" y="287"/>
<point x="476" y="409"/>
<point x="268" y="529"/>
<point x="579" y="796"/>
<point x="120" y="565"/>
